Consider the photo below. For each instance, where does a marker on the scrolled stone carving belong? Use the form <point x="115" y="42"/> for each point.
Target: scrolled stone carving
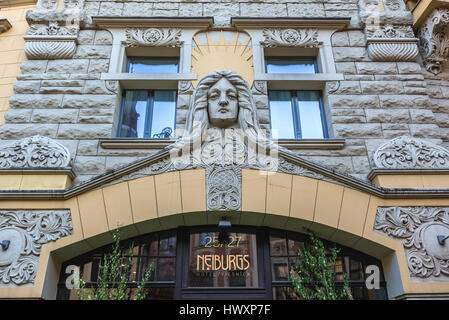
<point x="417" y="228"/>
<point x="410" y="153"/>
<point x="223" y="188"/>
<point x="392" y="43"/>
<point x="260" y="87"/>
<point x="27" y="231"/>
<point x="185" y="87"/>
<point x="34" y="152"/>
<point x="112" y="85"/>
<point x="434" y="40"/>
<point x="153" y="37"/>
<point x="394" y="5"/>
<point x="307" y="38"/>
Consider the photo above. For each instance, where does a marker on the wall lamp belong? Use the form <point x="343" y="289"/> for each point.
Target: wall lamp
<point x="5" y="244"/>
<point x="442" y="239"/>
<point x="223" y="227"/>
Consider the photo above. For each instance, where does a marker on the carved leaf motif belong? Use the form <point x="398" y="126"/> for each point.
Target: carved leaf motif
<point x="405" y="152"/>
<point x="34" y="152"/>
<point x="153" y="37"/>
<point x="410" y="225"/>
<point x="36" y="228"/>
<point x="307" y="38"/>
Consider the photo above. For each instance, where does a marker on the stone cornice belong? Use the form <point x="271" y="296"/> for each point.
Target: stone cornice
<point x="146" y="21"/>
<point x="376" y="172"/>
<point x="5" y="25"/>
<point x="16" y="3"/>
<point x="111" y="176"/>
<point x="290" y="22"/>
<point x="292" y="144"/>
<point x="424" y="8"/>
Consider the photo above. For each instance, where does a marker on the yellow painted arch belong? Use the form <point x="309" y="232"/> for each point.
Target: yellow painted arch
<point x="173" y="199"/>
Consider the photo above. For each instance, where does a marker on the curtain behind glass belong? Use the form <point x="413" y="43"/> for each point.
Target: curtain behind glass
<point x="134" y="114"/>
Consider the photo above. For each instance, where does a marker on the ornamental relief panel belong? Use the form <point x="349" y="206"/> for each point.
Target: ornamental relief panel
<point x="305" y="38"/>
<point x="411" y="153"/>
<point x="418" y="228"/>
<point x="22" y="234"/>
<point x="34" y="152"/>
<point x="153" y="37"/>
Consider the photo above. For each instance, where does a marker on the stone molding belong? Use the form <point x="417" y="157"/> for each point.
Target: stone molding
<point x="434" y="40"/>
<point x="417" y="228"/>
<point x="153" y="37"/>
<point x="27" y="231"/>
<point x="303" y="38"/>
<point x="34" y="152"/>
<point x="410" y="153"/>
<point x="392" y="43"/>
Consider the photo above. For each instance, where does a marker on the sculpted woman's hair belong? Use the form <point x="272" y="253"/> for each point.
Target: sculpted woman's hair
<point x="198" y="120"/>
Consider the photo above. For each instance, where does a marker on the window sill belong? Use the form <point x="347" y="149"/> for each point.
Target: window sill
<point x="292" y="144"/>
<point x="146" y="80"/>
<point x="292" y="81"/>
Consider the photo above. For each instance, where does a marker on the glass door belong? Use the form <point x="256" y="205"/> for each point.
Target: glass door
<point x="225" y="264"/>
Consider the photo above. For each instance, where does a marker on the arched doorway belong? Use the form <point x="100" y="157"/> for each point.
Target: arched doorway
<point x="192" y="263"/>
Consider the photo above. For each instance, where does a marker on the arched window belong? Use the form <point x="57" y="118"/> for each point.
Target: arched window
<point x="195" y="263"/>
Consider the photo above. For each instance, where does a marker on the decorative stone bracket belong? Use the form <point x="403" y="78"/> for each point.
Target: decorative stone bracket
<point x="4" y="25"/>
<point x="434" y="40"/>
<point x="392" y="43"/>
<point x="53" y="33"/>
<point x="418" y="228"/>
<point x="27" y="231"/>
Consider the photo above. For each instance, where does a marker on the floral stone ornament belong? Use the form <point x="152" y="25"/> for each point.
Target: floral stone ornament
<point x="418" y="229"/>
<point x="25" y="232"/>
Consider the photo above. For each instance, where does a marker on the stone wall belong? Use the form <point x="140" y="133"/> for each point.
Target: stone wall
<point x="377" y="101"/>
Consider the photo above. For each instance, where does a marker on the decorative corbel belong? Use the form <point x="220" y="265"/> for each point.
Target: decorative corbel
<point x="434" y="40"/>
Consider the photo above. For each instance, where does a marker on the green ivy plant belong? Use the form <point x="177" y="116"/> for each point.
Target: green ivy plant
<point x="114" y="276"/>
<point x="314" y="275"/>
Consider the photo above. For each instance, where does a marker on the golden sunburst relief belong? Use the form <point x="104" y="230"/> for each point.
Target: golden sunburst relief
<point x="217" y="53"/>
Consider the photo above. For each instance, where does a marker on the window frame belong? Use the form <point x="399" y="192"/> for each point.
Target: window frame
<point x="276" y="57"/>
<point x="129" y="58"/>
<point x="297" y="117"/>
<point x="149" y="112"/>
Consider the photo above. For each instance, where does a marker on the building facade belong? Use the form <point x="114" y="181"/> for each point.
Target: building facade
<point x="185" y="121"/>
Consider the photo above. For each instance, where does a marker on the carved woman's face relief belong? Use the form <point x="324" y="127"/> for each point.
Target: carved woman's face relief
<point x="222" y="100"/>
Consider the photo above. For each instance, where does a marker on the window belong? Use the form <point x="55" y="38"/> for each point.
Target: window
<point x="283" y="253"/>
<point x="152" y="65"/>
<point x="290" y="65"/>
<point x="297" y="115"/>
<point x="148" y="114"/>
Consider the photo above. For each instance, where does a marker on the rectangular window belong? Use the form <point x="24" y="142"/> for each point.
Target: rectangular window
<point x="297" y="115"/>
<point x="152" y="65"/>
<point x="148" y="114"/>
<point x="290" y="65"/>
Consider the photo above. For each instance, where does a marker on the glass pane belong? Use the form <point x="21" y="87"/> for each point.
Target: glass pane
<point x="149" y="248"/>
<point x="290" y="65"/>
<point x="143" y="266"/>
<point x="294" y="246"/>
<point x="281" y="117"/>
<point x="134" y="113"/>
<point x="164" y="110"/>
<point x="153" y="65"/>
<point x="167" y="246"/>
<point x="355" y="270"/>
<point x="279" y="269"/>
<point x="278" y="245"/>
<point x="284" y="293"/>
<point x="166" y="269"/>
<point x="214" y="264"/>
<point x="310" y="115"/>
